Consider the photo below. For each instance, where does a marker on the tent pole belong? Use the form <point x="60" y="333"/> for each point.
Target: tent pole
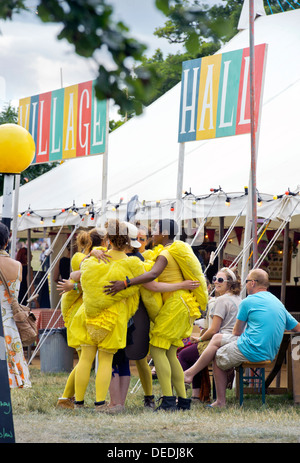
<point x="105" y="169"/>
<point x="179" y="184"/>
<point x="221" y="236"/>
<point x="29" y="256"/>
<point x="15" y="217"/>
<point x="285" y="262"/>
<point x="253" y="132"/>
<point x="7" y="199"/>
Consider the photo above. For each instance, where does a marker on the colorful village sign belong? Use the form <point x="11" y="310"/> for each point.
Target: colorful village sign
<point x="215" y="94"/>
<point x="66" y="123"/>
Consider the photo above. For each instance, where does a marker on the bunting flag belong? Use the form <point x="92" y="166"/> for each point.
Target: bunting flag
<point x="296" y="237"/>
<point x="270" y="234"/>
<point x="211" y="235"/>
<point x="239" y="233"/>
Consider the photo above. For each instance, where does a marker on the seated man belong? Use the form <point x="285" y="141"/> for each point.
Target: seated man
<point x="256" y="336"/>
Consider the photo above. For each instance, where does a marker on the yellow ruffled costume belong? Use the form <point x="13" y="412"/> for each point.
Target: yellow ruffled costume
<point x="102" y="319"/>
<point x="173" y="313"/>
<point x="71" y="301"/>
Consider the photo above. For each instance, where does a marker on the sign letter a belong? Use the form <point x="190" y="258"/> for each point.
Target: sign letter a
<point x="208" y="91"/>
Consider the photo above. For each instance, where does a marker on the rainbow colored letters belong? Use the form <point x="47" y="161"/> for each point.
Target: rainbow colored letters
<point x="66" y="123"/>
<point x="215" y="94"/>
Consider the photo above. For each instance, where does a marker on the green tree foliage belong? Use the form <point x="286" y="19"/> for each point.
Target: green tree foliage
<point x="10" y="116"/>
<point x="88" y="25"/>
<point x="134" y="80"/>
<point x="202" y="29"/>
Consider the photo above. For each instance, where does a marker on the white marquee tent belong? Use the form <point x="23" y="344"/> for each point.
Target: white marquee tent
<point x="143" y="153"/>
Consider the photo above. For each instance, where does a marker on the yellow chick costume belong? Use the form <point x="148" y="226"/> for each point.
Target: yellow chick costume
<point x="71" y="301"/>
<point x="102" y="319"/>
<point x="173" y="313"/>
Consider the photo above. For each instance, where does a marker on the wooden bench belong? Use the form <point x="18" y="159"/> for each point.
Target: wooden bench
<point x="256" y="375"/>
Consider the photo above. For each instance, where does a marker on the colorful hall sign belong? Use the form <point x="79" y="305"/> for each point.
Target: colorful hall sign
<point x="215" y="94"/>
<point x="66" y="123"/>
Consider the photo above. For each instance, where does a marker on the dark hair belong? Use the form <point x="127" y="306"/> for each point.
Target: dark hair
<point x="168" y="225"/>
<point x="117" y="233"/>
<point x="4" y="235"/>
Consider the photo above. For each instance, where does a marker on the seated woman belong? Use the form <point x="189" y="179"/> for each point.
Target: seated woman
<point x="228" y="286"/>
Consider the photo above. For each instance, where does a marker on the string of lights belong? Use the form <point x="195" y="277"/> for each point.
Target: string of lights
<point x="88" y="210"/>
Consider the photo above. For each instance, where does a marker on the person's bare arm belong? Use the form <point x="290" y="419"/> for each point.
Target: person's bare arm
<point x="67" y="285"/>
<point x="115" y="286"/>
<point x="238" y="328"/>
<point x="159" y="287"/>
<point x="297" y="328"/>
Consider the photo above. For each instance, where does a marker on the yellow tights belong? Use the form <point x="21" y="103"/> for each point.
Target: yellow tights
<point x="145" y="375"/>
<point x="69" y="391"/>
<point x="83" y="371"/>
<point x="169" y="371"/>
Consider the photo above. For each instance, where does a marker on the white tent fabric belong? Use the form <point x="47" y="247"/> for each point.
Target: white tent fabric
<point x="143" y="153"/>
<point x="258" y="9"/>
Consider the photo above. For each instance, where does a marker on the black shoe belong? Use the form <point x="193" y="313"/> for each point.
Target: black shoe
<point x="168" y="403"/>
<point x="183" y="404"/>
<point x="149" y="401"/>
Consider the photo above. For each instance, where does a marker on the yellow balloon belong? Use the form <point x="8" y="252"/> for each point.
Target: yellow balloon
<point x="17" y="149"/>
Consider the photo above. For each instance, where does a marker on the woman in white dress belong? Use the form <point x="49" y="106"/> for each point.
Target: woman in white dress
<point x="18" y="372"/>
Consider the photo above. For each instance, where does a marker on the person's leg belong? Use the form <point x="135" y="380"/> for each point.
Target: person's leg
<point x="145" y="375"/>
<point x="220" y="377"/>
<point x="83" y="371"/>
<point x="69" y="390"/>
<point x="163" y="369"/>
<point x="124" y="379"/>
<point x="66" y="400"/>
<point x="114" y="388"/>
<point x="124" y="386"/>
<point x="177" y="376"/>
<point x="205" y="358"/>
<point x="103" y="376"/>
<point x="187" y="357"/>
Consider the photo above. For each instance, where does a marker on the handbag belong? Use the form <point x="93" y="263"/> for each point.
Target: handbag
<point x="25" y="319"/>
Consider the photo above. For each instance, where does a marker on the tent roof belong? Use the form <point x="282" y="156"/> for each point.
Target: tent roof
<point x="143" y="152"/>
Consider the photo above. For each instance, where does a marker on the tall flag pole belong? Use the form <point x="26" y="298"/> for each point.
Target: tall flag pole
<point x="253" y="131"/>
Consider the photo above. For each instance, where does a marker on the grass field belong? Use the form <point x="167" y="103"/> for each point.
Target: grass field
<point x="36" y="419"/>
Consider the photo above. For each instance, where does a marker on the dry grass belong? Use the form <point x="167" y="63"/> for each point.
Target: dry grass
<point x="36" y="420"/>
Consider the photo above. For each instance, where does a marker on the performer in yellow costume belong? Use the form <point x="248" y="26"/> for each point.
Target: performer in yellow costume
<point x="100" y="324"/>
<point x="173" y="316"/>
<point x="71" y="300"/>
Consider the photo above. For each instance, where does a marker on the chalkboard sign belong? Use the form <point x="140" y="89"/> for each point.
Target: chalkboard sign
<point x="7" y="434"/>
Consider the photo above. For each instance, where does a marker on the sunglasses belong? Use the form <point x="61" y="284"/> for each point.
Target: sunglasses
<point x="219" y="280"/>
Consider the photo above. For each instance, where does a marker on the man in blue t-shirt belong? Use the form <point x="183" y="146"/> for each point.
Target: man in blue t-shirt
<point x="257" y="334"/>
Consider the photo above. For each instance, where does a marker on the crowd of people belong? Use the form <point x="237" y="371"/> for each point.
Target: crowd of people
<point x="129" y="299"/>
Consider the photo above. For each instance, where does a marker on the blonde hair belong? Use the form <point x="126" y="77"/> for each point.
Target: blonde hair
<point x="234" y="280"/>
<point x="86" y="240"/>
